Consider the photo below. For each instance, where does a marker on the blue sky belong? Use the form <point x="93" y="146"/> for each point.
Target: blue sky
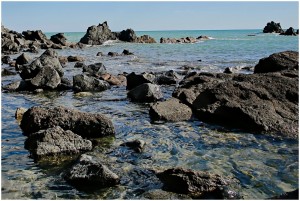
<point x="144" y="16"/>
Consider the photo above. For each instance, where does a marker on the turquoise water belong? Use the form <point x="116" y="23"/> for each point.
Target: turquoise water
<point x="264" y="166"/>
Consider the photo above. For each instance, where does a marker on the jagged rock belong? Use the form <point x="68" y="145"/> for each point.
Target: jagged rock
<point x="85" y="83"/>
<point x="48" y="58"/>
<point x="89" y="173"/>
<point x="203" y="38"/>
<point x="273" y="27"/>
<point x="59" y="39"/>
<point x="145" y="39"/>
<point x="47" y="78"/>
<point x="145" y="93"/>
<point x="35" y="35"/>
<point x="97" y="35"/>
<point x="127" y="35"/>
<point x="167" y="78"/>
<point x="289" y="32"/>
<point x="65" y="84"/>
<point x="198" y="184"/>
<point x="170" y="110"/>
<point x="55" y="141"/>
<point x="75" y="58"/>
<point x="19" y="114"/>
<point x="11" y="41"/>
<point x="259" y="103"/>
<point x="87" y="125"/>
<point x="95" y="70"/>
<point x="136" y="145"/>
<point x="288" y="60"/>
<point x="23" y="59"/>
<point x="134" y="80"/>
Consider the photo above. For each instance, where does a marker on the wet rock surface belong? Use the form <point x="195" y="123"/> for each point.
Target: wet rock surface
<point x="55" y="141"/>
<point x="136" y="145"/>
<point x="134" y="80"/>
<point x="89" y="173"/>
<point x="200" y="185"/>
<point x="170" y="110"/>
<point x="84" y="124"/>
<point x="47" y="78"/>
<point x="145" y="93"/>
<point x="293" y="195"/>
<point x="85" y="83"/>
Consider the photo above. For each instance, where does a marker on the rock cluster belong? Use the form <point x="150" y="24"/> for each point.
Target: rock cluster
<point x="273" y="27"/>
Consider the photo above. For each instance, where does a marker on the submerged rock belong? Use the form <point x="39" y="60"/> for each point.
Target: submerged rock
<point x="288" y="60"/>
<point x="197" y="184"/>
<point x="85" y="124"/>
<point x="89" y="173"/>
<point x="85" y="83"/>
<point x="158" y="194"/>
<point x="145" y="93"/>
<point x="170" y="110"/>
<point x="18" y="86"/>
<point x="136" y="145"/>
<point x="8" y="72"/>
<point x="293" y="195"/>
<point x="55" y="141"/>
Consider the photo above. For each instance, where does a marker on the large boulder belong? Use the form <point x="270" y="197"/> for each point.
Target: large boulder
<point x="273" y="27"/>
<point x="48" y="58"/>
<point x="170" y="110"/>
<point x="59" y="39"/>
<point x="97" y="35"/>
<point x="95" y="70"/>
<point x="83" y="82"/>
<point x="134" y="80"/>
<point x="89" y="173"/>
<point x="84" y="124"/>
<point x="56" y="141"/>
<point x="47" y="78"/>
<point x="168" y="78"/>
<point x="145" y="93"/>
<point x="288" y="60"/>
<point x="259" y="103"/>
<point x="197" y="184"/>
<point x="35" y="35"/>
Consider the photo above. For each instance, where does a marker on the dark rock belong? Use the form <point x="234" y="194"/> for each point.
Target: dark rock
<point x="95" y="70"/>
<point x="127" y="52"/>
<point x="158" y="194"/>
<point x="293" y="195"/>
<point x="97" y="35"/>
<point x="55" y="141"/>
<point x="47" y="78"/>
<point x="75" y="58"/>
<point x="197" y="184"/>
<point x="288" y="60"/>
<point x="228" y="70"/>
<point x="23" y="59"/>
<point x="85" y="83"/>
<point x="48" y="58"/>
<point x="87" y="125"/>
<point x="100" y="54"/>
<point x="259" y="103"/>
<point x="5" y="59"/>
<point x="127" y="35"/>
<point x="167" y="78"/>
<point x="90" y="174"/>
<point x="35" y="35"/>
<point x="17" y="86"/>
<point x="134" y="80"/>
<point x="145" y="93"/>
<point x="273" y="27"/>
<point x="203" y="38"/>
<point x="170" y="110"/>
<point x="65" y="84"/>
<point x="145" y="39"/>
<point x="59" y="39"/>
<point x="113" y="54"/>
<point x="136" y="145"/>
<point x="7" y="72"/>
<point x="79" y="65"/>
<point x="12" y="42"/>
<point x="179" y="40"/>
<point x="289" y="32"/>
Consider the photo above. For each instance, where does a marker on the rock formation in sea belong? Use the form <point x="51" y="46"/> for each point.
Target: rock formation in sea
<point x="97" y="35"/>
<point x="273" y="27"/>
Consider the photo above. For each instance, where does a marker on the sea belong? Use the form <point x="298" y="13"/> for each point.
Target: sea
<point x="264" y="166"/>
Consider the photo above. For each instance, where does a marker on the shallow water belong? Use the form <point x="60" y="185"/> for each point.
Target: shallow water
<point x="264" y="166"/>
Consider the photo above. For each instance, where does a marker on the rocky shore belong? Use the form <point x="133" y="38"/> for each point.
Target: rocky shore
<point x="263" y="102"/>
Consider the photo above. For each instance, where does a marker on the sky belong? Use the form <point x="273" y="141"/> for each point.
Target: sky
<point x="146" y="16"/>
